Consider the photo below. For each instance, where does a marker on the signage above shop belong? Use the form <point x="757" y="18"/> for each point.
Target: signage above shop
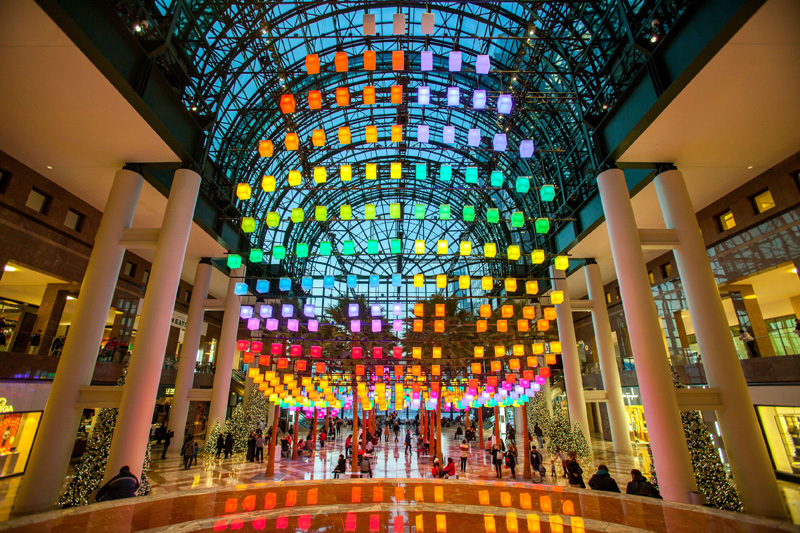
<point x="5" y="407"/>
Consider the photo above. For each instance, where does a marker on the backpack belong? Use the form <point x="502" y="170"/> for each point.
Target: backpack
<point x="645" y="488"/>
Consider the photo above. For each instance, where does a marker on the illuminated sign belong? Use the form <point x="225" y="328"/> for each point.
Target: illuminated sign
<point x="5" y="408"/>
<point x="170" y="391"/>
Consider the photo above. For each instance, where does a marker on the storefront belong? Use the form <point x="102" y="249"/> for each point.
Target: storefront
<point x="633" y="408"/>
<point x="21" y="407"/>
<point x="781" y="426"/>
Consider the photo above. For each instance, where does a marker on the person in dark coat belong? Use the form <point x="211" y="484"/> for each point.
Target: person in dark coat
<point x="188" y="452"/>
<point x="602" y="480"/>
<point x="639" y="486"/>
<point x="574" y="471"/>
<point x="228" y="444"/>
<point x="167" y="438"/>
<point x="251" y="447"/>
<point x="123" y="485"/>
<point x="220" y="445"/>
<point x="341" y="466"/>
<point x="537" y="462"/>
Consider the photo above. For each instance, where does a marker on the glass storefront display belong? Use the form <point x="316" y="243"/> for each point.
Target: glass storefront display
<point x="781" y="427"/>
<point x="633" y="408"/>
<point x="17" y="432"/>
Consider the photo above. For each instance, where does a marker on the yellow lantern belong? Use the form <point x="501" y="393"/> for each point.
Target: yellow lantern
<point x="555" y="346"/>
<point x="441" y="281"/>
<point x="490" y="249"/>
<point x="419" y="280"/>
<point x="463" y="282"/>
<point x="537" y="257"/>
<point x="320" y="175"/>
<point x="487" y="283"/>
<point x="416" y="352"/>
<point x="397" y="134"/>
<point x="419" y="309"/>
<point x="518" y="350"/>
<point x="320" y="213"/>
<point x="419" y="246"/>
<point x="511" y="284"/>
<point x="485" y="310"/>
<point x="537" y="348"/>
<point x="345" y="212"/>
<point x="371" y="171"/>
<point x="344" y="135"/>
<point x="499" y="351"/>
<point x="557" y="297"/>
<point x="295" y="178"/>
<point x="550" y="313"/>
<point x="346" y="172"/>
<point x="371" y="134"/>
<point x="465" y="248"/>
<point x="442" y="247"/>
<point x="478" y="351"/>
<point x="268" y="183"/>
<point x="396" y="170"/>
<point x="513" y="252"/>
<point x="531" y="287"/>
<point x="561" y="262"/>
<point x="243" y="191"/>
<point x="318" y="137"/>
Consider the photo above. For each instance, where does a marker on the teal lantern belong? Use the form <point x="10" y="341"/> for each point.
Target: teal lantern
<point x="301" y="249"/>
<point x="278" y="252"/>
<point x="419" y="211"/>
<point x="496" y="178"/>
<point x="542" y="225"/>
<point x="469" y="213"/>
<point x="444" y="212"/>
<point x="372" y="246"/>
<point x="348" y="248"/>
<point x="256" y="255"/>
<point x="445" y="172"/>
<point x="325" y="248"/>
<point x="396" y="246"/>
<point x="421" y="171"/>
<point x="547" y="193"/>
<point x="523" y="184"/>
<point x="517" y="219"/>
<point x="493" y="215"/>
<point x="234" y="261"/>
<point x="471" y="175"/>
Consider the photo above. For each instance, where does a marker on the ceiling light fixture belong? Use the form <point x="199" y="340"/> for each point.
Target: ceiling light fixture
<point x="49" y="167"/>
<point x="750" y="167"/>
<point x="9" y="268"/>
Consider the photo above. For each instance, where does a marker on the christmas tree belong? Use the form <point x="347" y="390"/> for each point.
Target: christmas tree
<point x="256" y="410"/>
<point x="560" y="433"/>
<point x="92" y="465"/>
<point x="577" y="442"/>
<point x="538" y="414"/>
<point x="709" y="472"/>
<point x="210" y="450"/>
<point x="237" y="425"/>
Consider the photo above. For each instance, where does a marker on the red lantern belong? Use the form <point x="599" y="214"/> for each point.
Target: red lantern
<point x="287" y="103"/>
<point x="247" y="357"/>
<point x="377" y="352"/>
<point x="296" y="350"/>
<point x="544" y="372"/>
<point x="256" y="346"/>
<point x="357" y="352"/>
<point x="276" y="349"/>
<point x="242" y="345"/>
<point x="316" y="351"/>
<point x="397" y="351"/>
<point x="369" y="59"/>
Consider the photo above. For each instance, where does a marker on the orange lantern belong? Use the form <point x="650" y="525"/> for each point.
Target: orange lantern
<point x="550" y="359"/>
<point x="518" y="350"/>
<point x="537" y="348"/>
<point x="301" y="364"/>
<point x="543" y="325"/>
<point x="318" y="137"/>
<point x="266" y="148"/>
<point x="507" y="311"/>
<point x="513" y="364"/>
<point x="314" y="99"/>
<point x="342" y="96"/>
<point x="369" y="60"/>
<point x="486" y="310"/>
<point x="533" y="361"/>
<point x="397" y="134"/>
<point x="481" y="326"/>
<point x="438" y="326"/>
<point x="320" y="368"/>
<point x="292" y="141"/>
<point x="550" y="313"/>
<point x="312" y="64"/>
<point x="264" y="360"/>
<point x="287" y="103"/>
<point x="418" y="326"/>
<point x="283" y="362"/>
<point x="496" y="366"/>
<point x="476" y="368"/>
<point x="340" y="60"/>
<point x="344" y="135"/>
<point x="371" y="133"/>
<point x="419" y="309"/>
<point x="247" y="357"/>
<point x="522" y="325"/>
<point x="439" y="309"/>
<point x="359" y="370"/>
<point x="502" y="325"/>
<point x="437" y="352"/>
<point x="528" y="312"/>
<point x="478" y="351"/>
<point x="397" y="94"/>
<point x="435" y="370"/>
<point x="398" y="60"/>
<point x="369" y="94"/>
<point x="398" y="371"/>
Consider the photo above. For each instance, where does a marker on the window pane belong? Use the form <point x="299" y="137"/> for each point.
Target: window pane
<point x="36" y="201"/>
<point x="73" y="220"/>
<point x="763" y="201"/>
<point x="726" y="221"/>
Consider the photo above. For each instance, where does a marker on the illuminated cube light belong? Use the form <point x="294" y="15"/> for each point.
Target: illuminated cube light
<point x="547" y="193"/>
<point x="352" y="310"/>
<point x="346" y="172"/>
<point x="474" y="137"/>
<point x="438" y="326"/>
<point x="276" y="348"/>
<point x="266" y="148"/>
<point x="398" y="60"/>
<point x="272" y="324"/>
<point x="370" y="57"/>
<point x="468" y="213"/>
<point x="550" y="359"/>
<point x="523" y="325"/>
<point x="342" y="96"/>
<point x="234" y="261"/>
<point x="441" y="281"/>
<point x="493" y="215"/>
<point x="496" y="178"/>
<point x="357" y="352"/>
<point x="371" y="171"/>
<point x="417" y="326"/>
<point x="423" y="95"/>
<point x="243" y="191"/>
<point x="542" y="225"/>
<point x="292" y="141"/>
<point x="287" y="310"/>
<point x="504" y="104"/>
<point x="340" y="61"/>
<point x="499" y="351"/>
<point x="372" y="246"/>
<point x="445" y="172"/>
<point x="423" y="133"/>
<point x="397" y="281"/>
<point x="463" y="282"/>
<point x="344" y="135"/>
<point x="295" y="178"/>
<point x="465" y="248"/>
<point x="416" y="352"/>
<point x="487" y="283"/>
<point x="273" y="219"/>
<point x="312" y="64"/>
<point x="369" y="211"/>
<point x="507" y="311"/>
<point x="348" y="247"/>
<point x="396" y="94"/>
<point x="318" y="137"/>
<point x="449" y="135"/>
<point x="395" y="246"/>
<point x="526" y="149"/>
<point x="481" y="326"/>
<point x="518" y="219"/>
<point x="502" y="326"/>
<point x="371" y="134"/>
<point x="395" y="211"/>
<point x="471" y="175"/>
<point x="375" y="281"/>
<point x="328" y="282"/>
<point x="485" y="310"/>
<point x="514" y="253"/>
<point x="419" y="246"/>
<point x="397" y="133"/>
<point x="531" y="287"/>
<point x="500" y="142"/>
<point x="285" y="284"/>
<point x="316" y="351"/>
<point x="555" y="346"/>
<point x="444" y="212"/>
<point x="295" y="350"/>
<point x="454" y="61"/>
<point x="426" y="61"/>
<point x="561" y="262"/>
<point x="376" y="326"/>
<point x="246" y="311"/>
<point x="297" y="215"/>
<point x="279" y="252"/>
<point x="478" y="351"/>
<point x="262" y="286"/>
<point x="355" y="326"/>
<point x="442" y="247"/>
<point x="309" y="310"/>
<point x="301" y="249"/>
<point x="307" y="283"/>
<point x="511" y="284"/>
<point x="490" y="249"/>
<point x="479" y="99"/>
<point x="396" y="170"/>
<point x="557" y="297"/>
<point x="550" y="313"/>
<point x="293" y="324"/>
<point x="352" y="281"/>
<point x="453" y="96"/>
<point x="397" y="325"/>
<point x="368" y="94"/>
<point x="419" y="280"/>
<point x="543" y="325"/>
<point x="482" y="64"/>
<point x="314" y="99"/>
<point x="325" y="248"/>
<point x="320" y="213"/>
<point x="537" y="257"/>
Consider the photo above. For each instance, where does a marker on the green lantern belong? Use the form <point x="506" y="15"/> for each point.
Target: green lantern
<point x="445" y="172"/>
<point x="301" y="249"/>
<point x="256" y="255"/>
<point x="444" y="212"/>
<point x="325" y="248"/>
<point x="396" y="211"/>
<point x="523" y="184"/>
<point x="421" y="171"/>
<point x="273" y="219"/>
<point x="278" y="252"/>
<point x="517" y="219"/>
<point x="348" y="248"/>
<point x="547" y="193"/>
<point x="471" y="175"/>
<point x="542" y="225"/>
<point x="298" y="215"/>
<point x="372" y="246"/>
<point x="346" y="212"/>
<point x="369" y="212"/>
<point x="248" y="224"/>
<point x="496" y="178"/>
<point x="396" y="246"/>
<point x="493" y="215"/>
<point x="234" y="261"/>
<point x="469" y="213"/>
<point x="419" y="211"/>
<point x="321" y="213"/>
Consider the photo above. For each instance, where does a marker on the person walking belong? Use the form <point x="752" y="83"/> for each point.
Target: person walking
<point x="188" y="452"/>
<point x="35" y="340"/>
<point x="464" y="447"/>
<point x="408" y="441"/>
<point x="396" y="430"/>
<point x="220" y="445"/>
<point x="511" y="459"/>
<point x="167" y="439"/>
<point x="602" y="480"/>
<point x="560" y="456"/>
<point x="574" y="471"/>
<point x="228" y="444"/>
<point x="196" y="451"/>
<point x="639" y="486"/>
<point x="251" y="447"/>
<point x="123" y="485"/>
<point x="539" y="434"/>
<point x="537" y="464"/>
<point x="260" y="447"/>
<point x="497" y="461"/>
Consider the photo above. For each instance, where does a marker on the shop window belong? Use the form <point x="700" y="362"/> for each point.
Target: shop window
<point x="145" y="276"/>
<point x="651" y="277"/>
<point x="763" y="202"/>
<point x="666" y="270"/>
<point x="74" y="220"/>
<point x="130" y="269"/>
<point x="38" y="201"/>
<point x="726" y="221"/>
<point x="17" y="431"/>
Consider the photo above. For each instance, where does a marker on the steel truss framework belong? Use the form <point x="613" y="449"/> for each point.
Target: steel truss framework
<point x="565" y="62"/>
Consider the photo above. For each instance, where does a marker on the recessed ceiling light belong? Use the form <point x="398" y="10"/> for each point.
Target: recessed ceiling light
<point x="9" y="268"/>
<point x="750" y="167"/>
<point x="70" y="297"/>
<point x="49" y="167"/>
<point x="793" y="271"/>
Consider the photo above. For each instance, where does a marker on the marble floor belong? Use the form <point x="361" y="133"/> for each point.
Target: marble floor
<point x="169" y="479"/>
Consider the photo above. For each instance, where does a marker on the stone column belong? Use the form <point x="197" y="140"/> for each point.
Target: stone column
<point x="747" y="451"/>
<point x="660" y="403"/>
<point x="132" y="431"/>
<point x="50" y="311"/>
<point x="618" y="419"/>
<point x="49" y="459"/>
<point x="226" y="350"/>
<point x="569" y="356"/>
<point x="191" y="343"/>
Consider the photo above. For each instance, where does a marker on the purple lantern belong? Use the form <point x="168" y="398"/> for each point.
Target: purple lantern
<point x="293" y="324"/>
<point x="423" y="95"/>
<point x="253" y="323"/>
<point x="397" y="308"/>
<point x="375" y="309"/>
<point x="474" y="137"/>
<point x="287" y="310"/>
<point x="500" y="142"/>
<point x="272" y="324"/>
<point x="376" y="326"/>
<point x="449" y="135"/>
<point x="426" y="61"/>
<point x="355" y="326"/>
<point x="309" y="310"/>
<point x="246" y="311"/>
<point x="352" y="310"/>
<point x="265" y="311"/>
<point x="423" y="133"/>
<point x="482" y="64"/>
<point x="455" y="61"/>
<point x="504" y="104"/>
<point x="453" y="96"/>
<point x="313" y="325"/>
<point x="397" y="325"/>
<point x="479" y="99"/>
<point x="526" y="149"/>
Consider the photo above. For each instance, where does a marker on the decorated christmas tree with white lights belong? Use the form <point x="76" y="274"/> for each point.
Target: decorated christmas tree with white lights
<point x="256" y="410"/>
<point x="237" y="425"/>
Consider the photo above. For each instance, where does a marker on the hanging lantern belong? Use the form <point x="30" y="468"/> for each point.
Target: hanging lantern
<point x="268" y="183"/>
<point x="262" y="286"/>
<point x="344" y="135"/>
<point x="550" y="359"/>
<point x="416" y="352"/>
<point x="342" y="96"/>
<point x="453" y="96"/>
<point x="340" y="61"/>
<point x="482" y="64"/>
<point x="346" y="172"/>
<point x="320" y="213"/>
<point x="449" y="135"/>
<point x="295" y="350"/>
<point x="397" y="325"/>
<point x="438" y="326"/>
<point x="242" y="345"/>
<point x="500" y="142"/>
<point x="511" y="284"/>
<point x="369" y="211"/>
<point x="320" y="175"/>
<point x="514" y="253"/>
<point x="442" y="247"/>
<point x="295" y="178"/>
<point x="426" y="61"/>
<point x="502" y="326"/>
<point x="369" y="94"/>
<point x="419" y="280"/>
<point x="297" y="215"/>
<point x="266" y="148"/>
<point x="499" y="351"/>
<point x="279" y="252"/>
<point x="481" y="326"/>
<point x="543" y="325"/>
<point x="369" y="60"/>
<point x="396" y="93"/>
<point x="371" y="134"/>
<point x="557" y="297"/>
<point x="496" y="366"/>
<point x="376" y="327"/>
<point x="465" y="248"/>
<point x="292" y="141"/>
<point x="550" y="313"/>
<point x="352" y="280"/>
<point x="423" y="95"/>
<point x="542" y="225"/>
<point x="537" y="257"/>
<point x="476" y="368"/>
<point x="454" y="61"/>
<point x="526" y="149"/>
<point x="397" y="134"/>
<point x="523" y="325"/>
<point x="396" y="170"/>
<point x="287" y="103"/>
<point x="561" y="262"/>
<point x="417" y="326"/>
<point x="463" y="282"/>
<point x="485" y="310"/>
<point x="423" y="133"/>
<point x="531" y="287"/>
<point x="445" y="172"/>
<point x="504" y="104"/>
<point x="555" y="346"/>
<point x="346" y="212"/>
<point x="479" y="99"/>
<point x="314" y="99"/>
<point x="419" y="246"/>
<point x="395" y="211"/>
<point x="355" y="326"/>
<point x="312" y="64"/>
<point x="487" y="283"/>
<point x="357" y="352"/>
<point x="490" y="249"/>
<point x="243" y="191"/>
<point x="474" y="137"/>
<point x="248" y="224"/>
<point x="547" y="193"/>
<point x="371" y="171"/>
<point x="398" y="60"/>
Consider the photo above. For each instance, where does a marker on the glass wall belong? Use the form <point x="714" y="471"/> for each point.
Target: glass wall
<point x="781" y="426"/>
<point x="17" y="432"/>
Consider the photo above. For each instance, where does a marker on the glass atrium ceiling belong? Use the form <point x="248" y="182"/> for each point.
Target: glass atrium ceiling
<point x="564" y="63"/>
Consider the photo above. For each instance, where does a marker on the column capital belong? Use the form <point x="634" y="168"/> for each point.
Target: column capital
<point x="590" y="261"/>
<point x="663" y="167"/>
